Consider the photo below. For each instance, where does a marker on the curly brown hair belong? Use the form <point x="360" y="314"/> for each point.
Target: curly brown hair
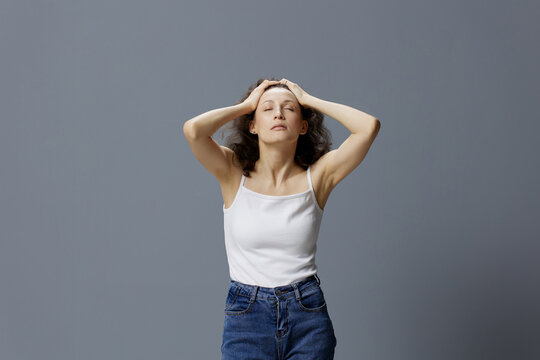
<point x="309" y="148"/>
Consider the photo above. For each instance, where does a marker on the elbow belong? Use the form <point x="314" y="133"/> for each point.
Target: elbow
<point x="376" y="126"/>
<point x="373" y="126"/>
<point x="189" y="130"/>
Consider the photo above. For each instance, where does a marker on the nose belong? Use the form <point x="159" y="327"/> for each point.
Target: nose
<point x="278" y="114"/>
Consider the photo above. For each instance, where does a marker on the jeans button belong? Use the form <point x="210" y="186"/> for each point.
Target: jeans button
<point x="278" y="292"/>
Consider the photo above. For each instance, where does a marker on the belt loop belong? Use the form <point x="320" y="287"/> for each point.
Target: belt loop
<point x="318" y="280"/>
<point x="254" y="295"/>
<point x="296" y="291"/>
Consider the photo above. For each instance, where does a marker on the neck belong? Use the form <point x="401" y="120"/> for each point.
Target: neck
<point x="276" y="162"/>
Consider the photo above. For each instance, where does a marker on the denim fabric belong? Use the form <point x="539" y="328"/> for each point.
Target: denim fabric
<point x="285" y="322"/>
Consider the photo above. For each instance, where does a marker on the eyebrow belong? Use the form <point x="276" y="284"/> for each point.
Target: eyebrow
<point x="283" y="101"/>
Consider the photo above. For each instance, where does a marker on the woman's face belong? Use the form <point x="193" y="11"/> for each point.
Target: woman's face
<point x="278" y="117"/>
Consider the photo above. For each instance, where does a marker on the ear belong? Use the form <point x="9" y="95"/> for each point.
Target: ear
<point x="252" y="127"/>
<point x="304" y="127"/>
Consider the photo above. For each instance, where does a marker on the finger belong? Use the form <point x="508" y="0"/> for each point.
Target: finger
<point x="264" y="85"/>
<point x="287" y="83"/>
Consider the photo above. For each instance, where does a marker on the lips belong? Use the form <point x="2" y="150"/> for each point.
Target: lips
<point x="279" y="127"/>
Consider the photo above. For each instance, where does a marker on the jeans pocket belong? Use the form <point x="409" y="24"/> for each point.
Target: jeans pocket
<point x="312" y="299"/>
<point x="237" y="303"/>
<point x="231" y="296"/>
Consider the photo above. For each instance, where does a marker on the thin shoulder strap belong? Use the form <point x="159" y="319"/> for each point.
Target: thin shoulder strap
<point x="309" y="177"/>
<point x="242" y="181"/>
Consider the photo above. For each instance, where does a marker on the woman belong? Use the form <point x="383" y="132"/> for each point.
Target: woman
<point x="275" y="308"/>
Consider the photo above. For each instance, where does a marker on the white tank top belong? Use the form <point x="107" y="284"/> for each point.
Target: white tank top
<point x="272" y="240"/>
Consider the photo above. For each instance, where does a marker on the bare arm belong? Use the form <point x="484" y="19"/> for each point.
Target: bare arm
<point x="198" y="131"/>
<point x="208" y="123"/>
<point x="338" y="163"/>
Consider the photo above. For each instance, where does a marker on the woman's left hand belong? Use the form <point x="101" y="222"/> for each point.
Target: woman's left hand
<point x="300" y="94"/>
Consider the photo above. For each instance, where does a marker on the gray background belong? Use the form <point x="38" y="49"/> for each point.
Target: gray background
<point x="112" y="232"/>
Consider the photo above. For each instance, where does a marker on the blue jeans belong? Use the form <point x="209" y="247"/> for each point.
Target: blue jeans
<point x="285" y="322"/>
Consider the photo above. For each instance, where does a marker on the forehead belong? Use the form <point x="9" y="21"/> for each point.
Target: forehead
<point x="277" y="95"/>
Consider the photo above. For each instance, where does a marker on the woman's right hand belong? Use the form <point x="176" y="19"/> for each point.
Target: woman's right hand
<point x="253" y="99"/>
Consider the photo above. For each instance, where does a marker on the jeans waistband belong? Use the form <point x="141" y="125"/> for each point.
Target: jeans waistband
<point x="285" y="291"/>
